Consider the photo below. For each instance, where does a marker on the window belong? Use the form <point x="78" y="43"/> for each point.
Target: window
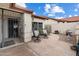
<point x="37" y="25"/>
<point x="40" y="25"/>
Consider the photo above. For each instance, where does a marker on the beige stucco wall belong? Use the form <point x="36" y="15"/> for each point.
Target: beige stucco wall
<point x="52" y="23"/>
<point x="38" y="20"/>
<point x="5" y="26"/>
<point x="60" y="26"/>
<point x="27" y="27"/>
<point x="4" y="5"/>
<point x="63" y="27"/>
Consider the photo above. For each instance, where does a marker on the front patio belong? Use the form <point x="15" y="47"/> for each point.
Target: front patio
<point x="51" y="46"/>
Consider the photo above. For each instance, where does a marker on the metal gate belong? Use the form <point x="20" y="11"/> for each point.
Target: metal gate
<point x="11" y="27"/>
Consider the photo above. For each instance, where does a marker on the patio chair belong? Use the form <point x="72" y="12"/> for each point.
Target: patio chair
<point x="35" y="36"/>
<point x="45" y="33"/>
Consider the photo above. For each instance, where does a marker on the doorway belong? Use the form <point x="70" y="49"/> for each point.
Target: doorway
<point x="12" y="28"/>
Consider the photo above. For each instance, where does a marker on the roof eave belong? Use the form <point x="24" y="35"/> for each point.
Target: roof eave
<point x="12" y="6"/>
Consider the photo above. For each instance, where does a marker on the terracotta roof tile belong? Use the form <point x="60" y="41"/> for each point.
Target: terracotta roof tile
<point x="72" y="19"/>
<point x="41" y="17"/>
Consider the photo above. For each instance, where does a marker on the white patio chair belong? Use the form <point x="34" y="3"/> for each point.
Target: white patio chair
<point x="36" y="32"/>
<point x="44" y="31"/>
<point x="36" y="37"/>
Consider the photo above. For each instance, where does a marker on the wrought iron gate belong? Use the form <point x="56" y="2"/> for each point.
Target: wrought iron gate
<point x="11" y="27"/>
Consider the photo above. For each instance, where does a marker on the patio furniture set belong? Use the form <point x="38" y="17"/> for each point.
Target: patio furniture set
<point x="36" y="35"/>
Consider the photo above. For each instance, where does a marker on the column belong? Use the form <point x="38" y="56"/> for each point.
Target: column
<point x="27" y="27"/>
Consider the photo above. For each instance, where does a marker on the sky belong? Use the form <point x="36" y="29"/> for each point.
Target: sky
<point x="54" y="10"/>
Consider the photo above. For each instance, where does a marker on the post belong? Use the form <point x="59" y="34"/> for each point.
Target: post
<point x="27" y="27"/>
<point x="2" y="44"/>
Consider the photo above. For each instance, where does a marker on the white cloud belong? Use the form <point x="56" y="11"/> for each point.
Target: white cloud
<point x="57" y="9"/>
<point x="50" y="14"/>
<point x="70" y="15"/>
<point x="47" y="7"/>
<point x="75" y="15"/>
<point x="76" y="10"/>
<point x="52" y="9"/>
<point x="21" y="4"/>
<point x="59" y="17"/>
<point x="46" y="10"/>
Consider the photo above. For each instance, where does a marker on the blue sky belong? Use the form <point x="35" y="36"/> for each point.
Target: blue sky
<point x="54" y="10"/>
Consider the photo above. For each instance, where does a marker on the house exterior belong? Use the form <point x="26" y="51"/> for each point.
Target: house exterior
<point x="17" y="24"/>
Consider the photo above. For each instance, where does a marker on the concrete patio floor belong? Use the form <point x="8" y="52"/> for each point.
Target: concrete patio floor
<point x="20" y="50"/>
<point x="52" y="47"/>
<point x="47" y="47"/>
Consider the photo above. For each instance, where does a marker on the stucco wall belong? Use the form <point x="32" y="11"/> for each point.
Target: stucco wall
<point x="60" y="26"/>
<point x="52" y="23"/>
<point x="5" y="26"/>
<point x="4" y="5"/>
<point x="63" y="27"/>
<point x="38" y="20"/>
<point x="27" y="27"/>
